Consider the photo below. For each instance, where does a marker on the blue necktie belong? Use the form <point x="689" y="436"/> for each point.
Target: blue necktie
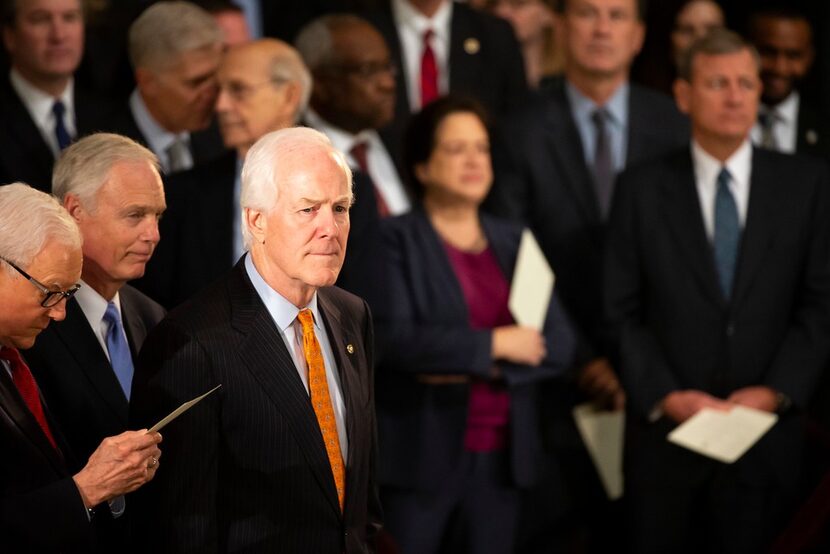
<point x="727" y="234"/>
<point x="60" y="129"/>
<point x="120" y="358"/>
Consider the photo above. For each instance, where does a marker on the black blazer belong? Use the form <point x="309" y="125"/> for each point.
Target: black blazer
<point x="423" y="328"/>
<point x="492" y="72"/>
<point x="205" y="145"/>
<point x="75" y="375"/>
<point x="41" y="509"/>
<point x="24" y="155"/>
<point x="813" y="131"/>
<point x="247" y="468"/>
<point x="544" y="181"/>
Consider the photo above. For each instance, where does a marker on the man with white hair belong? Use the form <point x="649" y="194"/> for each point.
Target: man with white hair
<point x="175" y="49"/>
<point x="281" y="458"/>
<point x="43" y="506"/>
<point x="263" y="86"/>
<point x="111" y="187"/>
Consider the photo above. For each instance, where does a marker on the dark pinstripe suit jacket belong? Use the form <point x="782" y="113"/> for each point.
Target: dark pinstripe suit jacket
<point x="247" y="471"/>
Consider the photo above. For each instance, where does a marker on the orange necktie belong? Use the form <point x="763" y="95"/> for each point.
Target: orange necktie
<point x="321" y="401"/>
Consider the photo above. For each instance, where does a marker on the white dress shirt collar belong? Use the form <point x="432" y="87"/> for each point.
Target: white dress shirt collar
<point x="411" y="25"/>
<point x="707" y="168"/>
<point x="158" y="138"/>
<point x="39" y="105"/>
<point x="785" y="129"/>
<point x="94" y="306"/>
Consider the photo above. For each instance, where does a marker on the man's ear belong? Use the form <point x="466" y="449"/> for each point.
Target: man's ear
<point x="73" y="205"/>
<point x="257" y="225"/>
<point x="682" y="94"/>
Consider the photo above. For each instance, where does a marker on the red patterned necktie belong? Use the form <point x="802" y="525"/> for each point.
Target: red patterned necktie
<point x="429" y="71"/>
<point x="318" y="389"/>
<point x="360" y="154"/>
<point x="25" y="383"/>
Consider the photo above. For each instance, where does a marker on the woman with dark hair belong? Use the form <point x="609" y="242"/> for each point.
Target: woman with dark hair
<point x="456" y="385"/>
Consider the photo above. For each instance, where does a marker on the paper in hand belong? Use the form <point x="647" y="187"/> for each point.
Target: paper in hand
<point x="602" y="432"/>
<point x="180" y="410"/>
<point x="724" y="436"/>
<point x="532" y="285"/>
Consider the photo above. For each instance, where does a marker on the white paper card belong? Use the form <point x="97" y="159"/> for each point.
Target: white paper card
<point x="602" y="432"/>
<point x="532" y="284"/>
<point x="179" y="411"/>
<point x="724" y="436"/>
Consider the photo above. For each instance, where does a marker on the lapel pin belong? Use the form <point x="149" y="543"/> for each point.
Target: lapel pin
<point x="472" y="45"/>
<point x="350" y="349"/>
<point x="811" y="136"/>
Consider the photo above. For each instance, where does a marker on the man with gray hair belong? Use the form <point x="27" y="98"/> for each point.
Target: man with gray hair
<point x="717" y="283"/>
<point x="282" y="457"/>
<point x="263" y="86"/>
<point x="49" y="503"/>
<point x="175" y="49"/>
<point x="111" y="187"/>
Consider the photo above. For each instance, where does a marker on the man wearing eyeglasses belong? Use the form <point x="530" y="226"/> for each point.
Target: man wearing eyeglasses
<point x="48" y="502"/>
<point x="111" y="187"/>
<point x="263" y="86"/>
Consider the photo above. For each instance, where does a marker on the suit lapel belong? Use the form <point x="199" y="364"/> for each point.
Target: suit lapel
<point x="566" y="147"/>
<point x="23" y="129"/>
<point x="263" y="352"/>
<point x="760" y="222"/>
<point x="683" y="214"/>
<point x="17" y="411"/>
<point x="81" y="342"/>
<point x="133" y="325"/>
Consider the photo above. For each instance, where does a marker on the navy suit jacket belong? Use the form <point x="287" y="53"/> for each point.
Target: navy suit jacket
<point x="41" y="509"/>
<point x="76" y="377"/>
<point x="247" y="470"/>
<point x="424" y="329"/>
<point x="675" y="330"/>
<point x="544" y="182"/>
<point x="24" y="155"/>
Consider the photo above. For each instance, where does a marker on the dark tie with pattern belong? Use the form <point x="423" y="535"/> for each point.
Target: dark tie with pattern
<point x="26" y="386"/>
<point x="58" y="109"/>
<point x="603" y="165"/>
<point x="359" y="152"/>
<point x="768" y="118"/>
<point x="727" y="233"/>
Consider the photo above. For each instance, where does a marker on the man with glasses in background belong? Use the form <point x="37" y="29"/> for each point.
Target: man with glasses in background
<point x="48" y="502"/>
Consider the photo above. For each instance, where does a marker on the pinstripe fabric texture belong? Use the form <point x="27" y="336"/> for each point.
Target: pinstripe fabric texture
<point x="247" y="469"/>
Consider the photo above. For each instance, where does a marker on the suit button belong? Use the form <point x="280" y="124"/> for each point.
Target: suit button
<point x="730" y="329"/>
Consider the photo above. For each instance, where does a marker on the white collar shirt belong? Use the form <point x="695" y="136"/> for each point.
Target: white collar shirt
<point x="39" y="105"/>
<point x="94" y="306"/>
<point x="785" y="129"/>
<point x="158" y="138"/>
<point x="707" y="168"/>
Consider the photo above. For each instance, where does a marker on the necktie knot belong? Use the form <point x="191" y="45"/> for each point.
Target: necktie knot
<point x="178" y="155"/>
<point x="723" y="179"/>
<point x="111" y="315"/>
<point x="58" y="109"/>
<point x="428" y="34"/>
<point x="600" y="118"/>
<point x="61" y="133"/>
<point x="306" y="319"/>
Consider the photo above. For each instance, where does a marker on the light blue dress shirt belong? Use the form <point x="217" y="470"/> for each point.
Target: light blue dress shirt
<point x="582" y="109"/>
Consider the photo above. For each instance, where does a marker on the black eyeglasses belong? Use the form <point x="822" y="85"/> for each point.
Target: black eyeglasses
<point x="52" y="297"/>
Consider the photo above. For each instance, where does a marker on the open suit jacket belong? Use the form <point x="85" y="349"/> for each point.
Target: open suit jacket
<point x="24" y="155"/>
<point x="544" y="182"/>
<point x="676" y="331"/>
<point x="424" y="330"/>
<point x="76" y="377"/>
<point x="246" y="470"/>
<point x="41" y="509"/>
<point x="492" y="72"/>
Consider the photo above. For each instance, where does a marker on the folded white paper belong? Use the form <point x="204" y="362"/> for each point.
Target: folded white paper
<point x="602" y="432"/>
<point x="532" y="284"/>
<point x="179" y="411"/>
<point x="724" y="436"/>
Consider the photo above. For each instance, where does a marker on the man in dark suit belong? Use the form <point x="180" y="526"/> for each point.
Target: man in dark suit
<point x="175" y="49"/>
<point x="84" y="364"/>
<point x="555" y="172"/>
<point x="263" y="86"/>
<point x="282" y="457"/>
<point x="718" y="288"/>
<point x="41" y="109"/>
<point x="787" y="122"/>
<point x="48" y="503"/>
<point x="467" y="51"/>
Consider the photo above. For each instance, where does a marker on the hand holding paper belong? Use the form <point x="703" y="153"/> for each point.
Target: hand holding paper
<point x="532" y="284"/>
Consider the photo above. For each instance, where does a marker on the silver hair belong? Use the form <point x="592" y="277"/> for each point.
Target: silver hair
<point x="260" y="187"/>
<point x="85" y="165"/>
<point x="714" y="43"/>
<point x="315" y="42"/>
<point x="288" y="67"/>
<point x="28" y="220"/>
<point x="167" y="29"/>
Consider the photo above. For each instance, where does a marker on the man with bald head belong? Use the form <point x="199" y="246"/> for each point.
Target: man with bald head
<point x="281" y="458"/>
<point x="48" y="502"/>
<point x="263" y="86"/>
